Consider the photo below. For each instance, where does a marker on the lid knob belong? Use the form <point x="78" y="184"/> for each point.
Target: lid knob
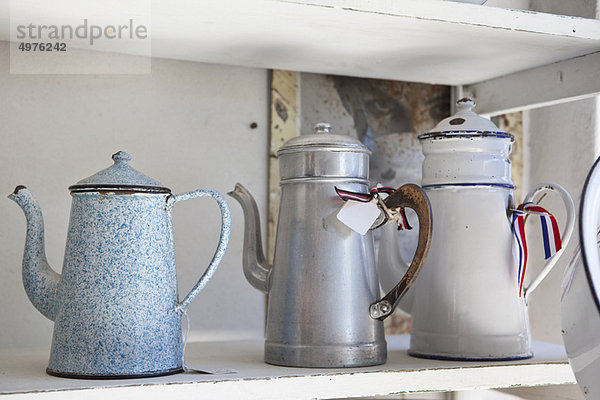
<point x="465" y="104"/>
<point x="121" y="157"/>
<point x="322" y="127"/>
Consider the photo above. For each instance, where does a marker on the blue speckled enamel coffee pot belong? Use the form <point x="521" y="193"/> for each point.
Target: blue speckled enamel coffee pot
<point x="115" y="307"/>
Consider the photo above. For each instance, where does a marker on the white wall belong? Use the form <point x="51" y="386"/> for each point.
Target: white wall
<point x="186" y="125"/>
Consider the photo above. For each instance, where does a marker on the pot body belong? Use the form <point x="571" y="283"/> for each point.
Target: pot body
<point x="116" y="312"/>
<point x="467" y="303"/>
<point x="322" y="282"/>
<point x="580" y="320"/>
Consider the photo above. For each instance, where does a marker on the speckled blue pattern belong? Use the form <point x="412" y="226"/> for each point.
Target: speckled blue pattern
<point x="39" y="279"/>
<point x="116" y="307"/>
<point x="223" y="239"/>
<point x="117" y="296"/>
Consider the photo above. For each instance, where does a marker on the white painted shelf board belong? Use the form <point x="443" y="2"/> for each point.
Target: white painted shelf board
<point x="22" y="376"/>
<point x="429" y="41"/>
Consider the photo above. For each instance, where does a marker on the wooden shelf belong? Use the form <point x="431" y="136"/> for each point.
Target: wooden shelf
<point x="22" y="376"/>
<point x="428" y="41"/>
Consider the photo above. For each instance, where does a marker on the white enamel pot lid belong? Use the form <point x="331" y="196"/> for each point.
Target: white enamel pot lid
<point x="589" y="218"/>
<point x="466" y="124"/>
<point x="119" y="177"/>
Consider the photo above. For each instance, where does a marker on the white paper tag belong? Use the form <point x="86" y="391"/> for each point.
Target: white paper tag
<point x="359" y="216"/>
<point x="198" y="369"/>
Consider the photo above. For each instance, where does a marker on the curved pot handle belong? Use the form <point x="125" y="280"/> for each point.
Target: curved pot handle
<point x="565" y="237"/>
<point x="223" y="239"/>
<point x="411" y="196"/>
<point x="391" y="266"/>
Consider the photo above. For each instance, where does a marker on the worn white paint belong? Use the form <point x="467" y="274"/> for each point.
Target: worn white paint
<point x="557" y="83"/>
<point x="428" y="41"/>
<point x="186" y="125"/>
<point x="23" y="375"/>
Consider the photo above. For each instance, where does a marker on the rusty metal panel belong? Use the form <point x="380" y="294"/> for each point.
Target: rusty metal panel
<point x="284" y="114"/>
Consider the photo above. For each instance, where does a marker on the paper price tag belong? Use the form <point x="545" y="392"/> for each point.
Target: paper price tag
<point x="359" y="216"/>
<point x="210" y="371"/>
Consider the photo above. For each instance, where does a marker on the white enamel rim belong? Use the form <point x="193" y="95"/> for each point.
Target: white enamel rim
<point x="588" y="226"/>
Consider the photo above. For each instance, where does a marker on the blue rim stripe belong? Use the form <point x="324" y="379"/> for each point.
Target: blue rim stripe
<point x="458" y="358"/>
<point x="502" y="185"/>
<point x="545" y="236"/>
<point x="467" y="134"/>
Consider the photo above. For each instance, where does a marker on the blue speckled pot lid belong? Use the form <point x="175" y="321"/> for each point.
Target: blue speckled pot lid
<point x="119" y="177"/>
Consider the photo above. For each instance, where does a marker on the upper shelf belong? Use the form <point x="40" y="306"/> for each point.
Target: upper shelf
<point x="428" y="41"/>
<point x="22" y="376"/>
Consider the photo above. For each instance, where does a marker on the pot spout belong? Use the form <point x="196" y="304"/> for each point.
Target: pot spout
<point x="255" y="264"/>
<point x="39" y="279"/>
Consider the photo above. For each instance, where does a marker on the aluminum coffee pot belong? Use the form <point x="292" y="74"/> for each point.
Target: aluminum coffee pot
<point x="115" y="307"/>
<point x="323" y="305"/>
<point x="469" y="303"/>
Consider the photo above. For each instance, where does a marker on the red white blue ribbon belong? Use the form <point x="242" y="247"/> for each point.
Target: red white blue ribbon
<point x="363" y="197"/>
<point x="550" y="235"/>
<point x="367" y="197"/>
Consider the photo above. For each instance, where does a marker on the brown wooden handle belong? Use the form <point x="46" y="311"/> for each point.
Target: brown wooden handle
<point x="411" y="196"/>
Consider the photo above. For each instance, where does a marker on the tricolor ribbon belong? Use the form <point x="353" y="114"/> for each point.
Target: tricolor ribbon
<point x="550" y="235"/>
<point x="363" y="197"/>
<point x="373" y="194"/>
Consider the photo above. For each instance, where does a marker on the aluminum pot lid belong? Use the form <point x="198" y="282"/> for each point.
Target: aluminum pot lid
<point x="323" y="139"/>
<point x="119" y="177"/>
<point x="465" y="123"/>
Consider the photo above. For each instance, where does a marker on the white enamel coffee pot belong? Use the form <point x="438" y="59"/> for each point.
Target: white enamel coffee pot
<point x="580" y="298"/>
<point x="468" y="303"/>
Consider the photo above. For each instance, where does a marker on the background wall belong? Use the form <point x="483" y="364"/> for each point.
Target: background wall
<point x="186" y="125"/>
